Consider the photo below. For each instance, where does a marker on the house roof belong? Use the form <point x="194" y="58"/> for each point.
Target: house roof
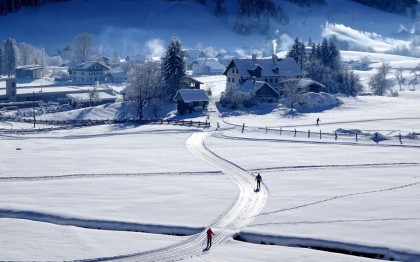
<point x="252" y="86"/>
<point x="88" y="66"/>
<point x="84" y="97"/>
<point x="191" y="95"/>
<point x="193" y="80"/>
<point x="269" y="67"/>
<point x="304" y="82"/>
<point x="194" y="53"/>
<point x="29" y="67"/>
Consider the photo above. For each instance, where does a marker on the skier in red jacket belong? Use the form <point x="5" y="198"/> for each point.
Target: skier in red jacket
<point x="209" y="235"/>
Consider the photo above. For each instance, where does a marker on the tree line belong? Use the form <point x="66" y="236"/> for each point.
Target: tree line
<point x="10" y="6"/>
<point x="322" y="63"/>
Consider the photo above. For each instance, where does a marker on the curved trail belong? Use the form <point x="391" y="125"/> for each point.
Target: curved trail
<point x="247" y="206"/>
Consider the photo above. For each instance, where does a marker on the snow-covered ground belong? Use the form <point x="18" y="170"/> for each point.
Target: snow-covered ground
<point x="62" y="186"/>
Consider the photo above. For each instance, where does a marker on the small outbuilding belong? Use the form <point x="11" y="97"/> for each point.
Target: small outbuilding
<point x="29" y="71"/>
<point x="262" y="91"/>
<point x="190" y="100"/>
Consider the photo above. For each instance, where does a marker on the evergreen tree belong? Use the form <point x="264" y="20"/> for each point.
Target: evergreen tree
<point x="173" y="68"/>
<point x="298" y="53"/>
<point x="219" y="10"/>
<point x="9" y="57"/>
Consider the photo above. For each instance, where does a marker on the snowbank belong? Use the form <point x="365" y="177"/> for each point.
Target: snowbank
<point x="316" y="102"/>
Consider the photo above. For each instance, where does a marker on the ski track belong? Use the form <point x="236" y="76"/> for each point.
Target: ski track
<point x="90" y="176"/>
<point x="341" y="196"/>
<point x="247" y="206"/>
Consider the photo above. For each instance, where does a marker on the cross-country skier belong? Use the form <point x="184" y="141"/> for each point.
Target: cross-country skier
<point x="209" y="236"/>
<point x="259" y="179"/>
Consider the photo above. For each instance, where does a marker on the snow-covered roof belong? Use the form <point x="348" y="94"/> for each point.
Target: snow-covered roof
<point x="84" y="97"/>
<point x="270" y="67"/>
<point x="191" y="95"/>
<point x="304" y="82"/>
<point x="194" y="53"/>
<point x="29" y="67"/>
<point x="88" y="66"/>
<point x="253" y="86"/>
<point x="211" y="63"/>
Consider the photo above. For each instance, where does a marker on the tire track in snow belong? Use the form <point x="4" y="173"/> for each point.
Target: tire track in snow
<point x="248" y="205"/>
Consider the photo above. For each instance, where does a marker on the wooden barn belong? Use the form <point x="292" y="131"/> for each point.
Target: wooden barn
<point x="190" y="100"/>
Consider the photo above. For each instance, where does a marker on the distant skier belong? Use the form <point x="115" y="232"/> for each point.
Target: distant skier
<point x="317" y="121"/>
<point x="259" y="179"/>
<point x="209" y="236"/>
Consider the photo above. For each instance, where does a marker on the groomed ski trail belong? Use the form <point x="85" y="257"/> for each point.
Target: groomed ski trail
<point x="248" y="204"/>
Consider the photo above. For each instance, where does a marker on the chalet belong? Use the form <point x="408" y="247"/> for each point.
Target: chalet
<point x="194" y="54"/>
<point x="29" y="71"/>
<point x="190" y="100"/>
<point x="272" y="71"/>
<point x="208" y="66"/>
<point x="262" y="91"/>
<point x="89" y="72"/>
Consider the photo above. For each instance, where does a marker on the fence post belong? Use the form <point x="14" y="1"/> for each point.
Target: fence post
<point x="309" y="133"/>
<point x="320" y="134"/>
<point x="243" y="127"/>
<point x="266" y="129"/>
<point x="280" y="130"/>
<point x="335" y="133"/>
<point x="356" y="138"/>
<point x="295" y="133"/>
<point x="399" y="136"/>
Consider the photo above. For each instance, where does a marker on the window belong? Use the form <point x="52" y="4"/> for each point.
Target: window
<point x="237" y="71"/>
<point x="276" y="80"/>
<point x="271" y="80"/>
<point x="233" y="70"/>
<point x="228" y="79"/>
<point x="233" y="80"/>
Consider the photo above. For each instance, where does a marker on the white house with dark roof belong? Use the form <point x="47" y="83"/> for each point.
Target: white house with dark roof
<point x="272" y="71"/>
<point x="89" y="72"/>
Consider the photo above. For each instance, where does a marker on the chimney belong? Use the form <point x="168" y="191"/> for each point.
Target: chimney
<point x="274" y="58"/>
<point x="254" y="57"/>
<point x="254" y="78"/>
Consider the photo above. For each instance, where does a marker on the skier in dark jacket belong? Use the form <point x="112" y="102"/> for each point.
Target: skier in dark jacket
<point x="259" y="179"/>
<point x="209" y="236"/>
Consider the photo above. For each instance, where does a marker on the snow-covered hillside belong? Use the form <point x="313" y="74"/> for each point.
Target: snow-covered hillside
<point x="140" y="27"/>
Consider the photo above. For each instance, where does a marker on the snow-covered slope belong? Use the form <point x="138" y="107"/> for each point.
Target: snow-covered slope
<point x="129" y="26"/>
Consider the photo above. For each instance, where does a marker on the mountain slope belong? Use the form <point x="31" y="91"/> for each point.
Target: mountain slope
<point x="127" y="25"/>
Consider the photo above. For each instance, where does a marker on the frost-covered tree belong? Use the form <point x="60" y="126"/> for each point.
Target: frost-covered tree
<point x="254" y="14"/>
<point x="82" y="47"/>
<point x="9" y="57"/>
<point x="399" y="77"/>
<point x="379" y="82"/>
<point x="173" y="68"/>
<point x="144" y="86"/>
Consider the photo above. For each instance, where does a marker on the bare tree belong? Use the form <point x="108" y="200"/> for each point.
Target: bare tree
<point x="82" y="47"/>
<point x="399" y="77"/>
<point x="145" y="86"/>
<point x="416" y="73"/>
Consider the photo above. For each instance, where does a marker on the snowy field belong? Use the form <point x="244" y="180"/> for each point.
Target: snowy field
<point x="63" y="187"/>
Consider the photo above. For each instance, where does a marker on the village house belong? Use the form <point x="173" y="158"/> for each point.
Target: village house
<point x="207" y="66"/>
<point x="273" y="71"/>
<point x="89" y="72"/>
